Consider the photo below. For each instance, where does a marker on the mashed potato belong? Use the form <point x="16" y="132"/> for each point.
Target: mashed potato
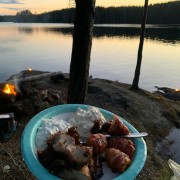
<point x="83" y="120"/>
<point x="48" y="128"/>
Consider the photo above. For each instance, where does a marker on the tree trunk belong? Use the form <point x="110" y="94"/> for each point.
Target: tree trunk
<point x="139" y="57"/>
<point x="80" y="59"/>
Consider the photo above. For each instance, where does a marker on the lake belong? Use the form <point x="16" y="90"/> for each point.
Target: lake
<point x="48" y="47"/>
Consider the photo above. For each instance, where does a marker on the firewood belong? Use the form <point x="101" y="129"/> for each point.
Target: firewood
<point x="32" y="78"/>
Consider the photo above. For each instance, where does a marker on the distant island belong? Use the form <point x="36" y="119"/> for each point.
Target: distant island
<point x="164" y="13"/>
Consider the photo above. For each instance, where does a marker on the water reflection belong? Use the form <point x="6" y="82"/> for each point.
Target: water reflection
<point x="57" y="30"/>
<point x="114" y="52"/>
<point x="165" y="34"/>
<point x="26" y="30"/>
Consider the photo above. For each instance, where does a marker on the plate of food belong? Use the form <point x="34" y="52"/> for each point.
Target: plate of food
<point x="52" y="147"/>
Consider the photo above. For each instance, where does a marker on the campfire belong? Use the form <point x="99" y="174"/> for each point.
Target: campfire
<point x="27" y="93"/>
<point x="173" y="94"/>
<point x="10" y="89"/>
<point x="8" y="93"/>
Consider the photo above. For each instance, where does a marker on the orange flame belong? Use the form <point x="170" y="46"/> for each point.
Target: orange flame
<point x="30" y="69"/>
<point x="9" y="89"/>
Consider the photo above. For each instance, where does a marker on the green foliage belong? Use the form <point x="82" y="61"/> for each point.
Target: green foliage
<point x="25" y="16"/>
<point x="118" y="15"/>
<point x="24" y="13"/>
<point x="166" y="13"/>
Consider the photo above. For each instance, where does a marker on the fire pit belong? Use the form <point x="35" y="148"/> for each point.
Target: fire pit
<point x="8" y="93"/>
<point x="26" y="94"/>
<point x="9" y="89"/>
<point x="29" y="92"/>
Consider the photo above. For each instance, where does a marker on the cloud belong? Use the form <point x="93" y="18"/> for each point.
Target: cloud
<point x="13" y="9"/>
<point x="10" y="2"/>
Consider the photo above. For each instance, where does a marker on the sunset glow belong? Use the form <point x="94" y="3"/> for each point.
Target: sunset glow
<point x="11" y="7"/>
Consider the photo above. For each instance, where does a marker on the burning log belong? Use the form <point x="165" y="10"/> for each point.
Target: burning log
<point x="8" y="93"/>
<point x="27" y="98"/>
<point x="9" y="89"/>
<point x="173" y="94"/>
<point x="34" y="77"/>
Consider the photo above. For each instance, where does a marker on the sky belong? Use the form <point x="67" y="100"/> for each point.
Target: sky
<point x="11" y="7"/>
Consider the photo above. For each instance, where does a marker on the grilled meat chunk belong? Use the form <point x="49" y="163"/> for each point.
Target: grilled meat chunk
<point x="78" y="155"/>
<point x="96" y="127"/>
<point x="81" y="156"/>
<point x="96" y="168"/>
<point x="63" y="143"/>
<point x="105" y="127"/>
<point x="73" y="133"/>
<point x="117" y="160"/>
<point x="124" y="145"/>
<point x="72" y="174"/>
<point x="117" y="127"/>
<point x="98" y="142"/>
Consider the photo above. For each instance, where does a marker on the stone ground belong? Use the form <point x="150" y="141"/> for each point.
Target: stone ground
<point x="146" y="111"/>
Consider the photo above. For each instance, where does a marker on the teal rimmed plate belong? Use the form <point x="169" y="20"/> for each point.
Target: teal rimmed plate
<point x="65" y="111"/>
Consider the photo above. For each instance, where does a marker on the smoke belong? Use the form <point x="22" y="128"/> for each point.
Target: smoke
<point x="10" y="2"/>
<point x="14" y="80"/>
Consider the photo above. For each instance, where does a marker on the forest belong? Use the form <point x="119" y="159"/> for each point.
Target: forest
<point x="164" y="13"/>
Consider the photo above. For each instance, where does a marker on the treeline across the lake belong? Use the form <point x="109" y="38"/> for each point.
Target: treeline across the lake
<point x="164" y="13"/>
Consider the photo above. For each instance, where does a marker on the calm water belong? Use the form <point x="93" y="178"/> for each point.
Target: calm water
<point x="114" y="52"/>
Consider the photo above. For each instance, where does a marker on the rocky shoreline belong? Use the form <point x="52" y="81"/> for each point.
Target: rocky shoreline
<point x="150" y="112"/>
